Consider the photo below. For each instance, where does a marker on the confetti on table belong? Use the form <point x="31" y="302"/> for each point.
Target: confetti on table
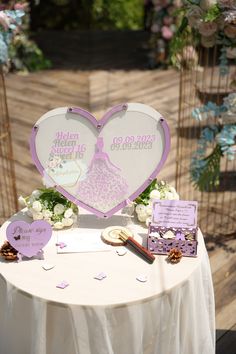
<point x="142" y="278"/>
<point x="100" y="276"/>
<point x="62" y="285"/>
<point x="121" y="251"/>
<point x="61" y="244"/>
<point x="47" y="266"/>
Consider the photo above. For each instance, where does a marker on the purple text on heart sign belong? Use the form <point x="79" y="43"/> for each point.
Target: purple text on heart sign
<point x="29" y="239"/>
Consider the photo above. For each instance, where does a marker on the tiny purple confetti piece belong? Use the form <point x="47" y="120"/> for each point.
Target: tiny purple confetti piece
<point x="62" y="285"/>
<point x="100" y="276"/>
<point x="61" y="244"/>
<point x="142" y="278"/>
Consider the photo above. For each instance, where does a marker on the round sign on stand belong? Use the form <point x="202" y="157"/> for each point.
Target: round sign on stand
<point x="100" y="165"/>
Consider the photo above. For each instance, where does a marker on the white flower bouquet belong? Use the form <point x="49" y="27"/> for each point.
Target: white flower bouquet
<point x="156" y="190"/>
<point x="49" y="205"/>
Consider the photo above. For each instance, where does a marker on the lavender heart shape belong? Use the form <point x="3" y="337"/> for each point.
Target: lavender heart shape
<point x="28" y="239"/>
<point x="99" y="199"/>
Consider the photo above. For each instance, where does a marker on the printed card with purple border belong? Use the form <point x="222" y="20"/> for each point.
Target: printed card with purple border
<point x="100" y="164"/>
<point x="174" y="225"/>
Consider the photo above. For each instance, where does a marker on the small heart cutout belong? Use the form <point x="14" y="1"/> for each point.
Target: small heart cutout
<point x="28" y="239"/>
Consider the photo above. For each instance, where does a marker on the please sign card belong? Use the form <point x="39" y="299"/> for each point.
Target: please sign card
<point x="100" y="164"/>
<point x="28" y="239"/>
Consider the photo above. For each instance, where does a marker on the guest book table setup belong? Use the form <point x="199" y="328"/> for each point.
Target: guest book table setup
<point x="108" y="284"/>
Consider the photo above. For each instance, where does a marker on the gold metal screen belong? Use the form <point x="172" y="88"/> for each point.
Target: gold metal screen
<point x="8" y="195"/>
<point x="198" y="85"/>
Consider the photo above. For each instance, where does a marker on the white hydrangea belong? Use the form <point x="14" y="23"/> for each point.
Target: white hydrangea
<point x="37" y="206"/>
<point x="22" y="201"/>
<point x="59" y="209"/>
<point x="37" y="215"/>
<point x="58" y="225"/>
<point x="67" y="222"/>
<point x="168" y="195"/>
<point x="68" y="213"/>
<point x="36" y="193"/>
<point x="155" y="194"/>
<point x="47" y="214"/>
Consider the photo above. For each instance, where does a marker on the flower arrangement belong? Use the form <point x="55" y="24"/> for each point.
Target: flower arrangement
<point x="156" y="190"/>
<point x="49" y="205"/>
<point x="10" y="20"/>
<point x="205" y="170"/>
<point x="17" y="51"/>
<point x="162" y="27"/>
<point x="209" y="23"/>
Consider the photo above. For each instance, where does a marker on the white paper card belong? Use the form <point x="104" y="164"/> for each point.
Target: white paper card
<point x="79" y="240"/>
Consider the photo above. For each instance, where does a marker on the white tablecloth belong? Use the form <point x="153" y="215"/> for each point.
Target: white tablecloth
<point x="171" y="313"/>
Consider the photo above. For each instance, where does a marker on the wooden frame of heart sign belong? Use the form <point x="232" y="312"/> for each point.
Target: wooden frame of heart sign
<point x="100" y="165"/>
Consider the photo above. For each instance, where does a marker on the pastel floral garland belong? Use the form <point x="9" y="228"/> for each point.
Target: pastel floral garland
<point x="162" y="27"/>
<point x="205" y="170"/>
<point x="10" y="20"/>
<point x="209" y="23"/>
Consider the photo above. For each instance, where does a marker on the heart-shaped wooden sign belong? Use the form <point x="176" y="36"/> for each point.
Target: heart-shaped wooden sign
<point x="28" y="239"/>
<point x="100" y="164"/>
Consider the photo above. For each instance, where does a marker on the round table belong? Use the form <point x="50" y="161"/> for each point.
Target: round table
<point x="171" y="313"/>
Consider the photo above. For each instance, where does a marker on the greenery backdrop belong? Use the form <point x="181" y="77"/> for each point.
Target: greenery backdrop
<point x="87" y="14"/>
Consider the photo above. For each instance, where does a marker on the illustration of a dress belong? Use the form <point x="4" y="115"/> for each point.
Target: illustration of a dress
<point x="103" y="187"/>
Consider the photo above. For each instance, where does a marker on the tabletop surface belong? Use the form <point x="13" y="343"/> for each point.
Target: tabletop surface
<point x="119" y="288"/>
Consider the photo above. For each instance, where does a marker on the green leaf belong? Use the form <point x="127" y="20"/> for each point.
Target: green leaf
<point x="212" y="14"/>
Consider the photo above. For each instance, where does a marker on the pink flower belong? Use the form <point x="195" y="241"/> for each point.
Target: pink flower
<point x="4" y="20"/>
<point x="19" y="6"/>
<point x="166" y="33"/>
<point x="207" y="28"/>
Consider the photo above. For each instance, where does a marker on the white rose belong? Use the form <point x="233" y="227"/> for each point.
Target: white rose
<point x="175" y="196"/>
<point x="58" y="225"/>
<point x="58" y="209"/>
<point x="36" y="193"/>
<point x="22" y="201"/>
<point x="172" y="190"/>
<point x="155" y="194"/>
<point x="68" y="213"/>
<point x="140" y="208"/>
<point x="47" y="214"/>
<point x="37" y="206"/>
<point x="169" y="196"/>
<point x="37" y="215"/>
<point x="142" y="218"/>
<point x="67" y="222"/>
